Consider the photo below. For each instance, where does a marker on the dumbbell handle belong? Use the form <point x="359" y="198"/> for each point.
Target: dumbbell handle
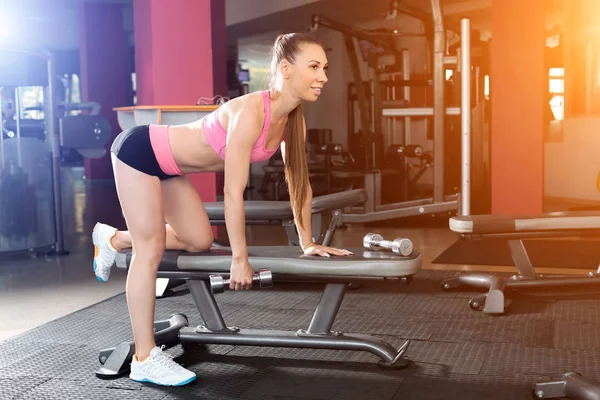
<point x="263" y="277"/>
<point x="255" y="278"/>
<point x="399" y="246"/>
<point x="383" y="243"/>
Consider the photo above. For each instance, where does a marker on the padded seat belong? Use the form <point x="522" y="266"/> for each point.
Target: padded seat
<point x="558" y="221"/>
<point x="290" y="260"/>
<point x="282" y="210"/>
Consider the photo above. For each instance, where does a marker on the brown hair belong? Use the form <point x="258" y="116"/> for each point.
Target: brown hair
<point x="287" y="48"/>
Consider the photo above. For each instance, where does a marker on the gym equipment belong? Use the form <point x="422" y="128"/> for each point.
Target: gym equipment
<point x="383" y="56"/>
<point x="15" y="69"/>
<point x="515" y="229"/>
<point x="27" y="222"/>
<point x="31" y="152"/>
<point x="287" y="264"/>
<point x="572" y="386"/>
<point x="280" y="213"/>
<point x="264" y="278"/>
<point x="330" y="149"/>
<point x="400" y="246"/>
<point x="88" y="134"/>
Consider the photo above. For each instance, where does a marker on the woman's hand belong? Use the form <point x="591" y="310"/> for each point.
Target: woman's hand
<point x="313" y="249"/>
<point x="241" y="275"/>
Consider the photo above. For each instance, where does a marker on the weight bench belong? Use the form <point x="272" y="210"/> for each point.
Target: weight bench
<point x="289" y="264"/>
<point x="280" y="213"/>
<point x="515" y="229"/>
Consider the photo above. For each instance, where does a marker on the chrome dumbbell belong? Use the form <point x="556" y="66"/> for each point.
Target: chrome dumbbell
<point x="264" y="278"/>
<point x="400" y="246"/>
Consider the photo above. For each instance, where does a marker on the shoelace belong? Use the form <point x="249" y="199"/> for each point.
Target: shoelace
<point x="107" y="258"/>
<point x="164" y="361"/>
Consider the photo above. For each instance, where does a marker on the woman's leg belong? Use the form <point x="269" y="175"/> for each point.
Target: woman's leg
<point x="188" y="227"/>
<point x="122" y="239"/>
<point x="181" y="231"/>
<point x="141" y="200"/>
<point x="186" y="215"/>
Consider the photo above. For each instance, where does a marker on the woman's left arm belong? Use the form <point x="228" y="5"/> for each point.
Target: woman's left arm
<point x="305" y="232"/>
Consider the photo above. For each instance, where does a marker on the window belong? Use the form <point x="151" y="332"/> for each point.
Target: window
<point x="557" y="92"/>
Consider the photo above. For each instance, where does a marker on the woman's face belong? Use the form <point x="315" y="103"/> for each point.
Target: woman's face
<point x="307" y="76"/>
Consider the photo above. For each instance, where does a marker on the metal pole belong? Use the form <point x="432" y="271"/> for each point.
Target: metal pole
<point x="406" y="76"/>
<point x="439" y="41"/>
<point x="18" y="115"/>
<point x="363" y="102"/>
<point x="55" y="144"/>
<point x="477" y="85"/>
<point x="1" y="133"/>
<point x="465" y="112"/>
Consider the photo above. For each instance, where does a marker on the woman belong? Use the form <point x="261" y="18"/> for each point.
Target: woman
<point x="150" y="164"/>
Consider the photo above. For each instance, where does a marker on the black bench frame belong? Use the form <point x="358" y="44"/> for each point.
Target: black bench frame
<point x="494" y="302"/>
<point x="214" y="330"/>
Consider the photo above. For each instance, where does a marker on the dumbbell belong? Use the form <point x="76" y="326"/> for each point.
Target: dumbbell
<point x="330" y="149"/>
<point x="414" y="150"/>
<point x="264" y="278"/>
<point x="400" y="246"/>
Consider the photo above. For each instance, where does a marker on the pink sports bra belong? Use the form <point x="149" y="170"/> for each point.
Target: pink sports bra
<point x="216" y="136"/>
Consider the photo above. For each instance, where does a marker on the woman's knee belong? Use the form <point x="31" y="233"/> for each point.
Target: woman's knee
<point x="149" y="252"/>
<point x="200" y="243"/>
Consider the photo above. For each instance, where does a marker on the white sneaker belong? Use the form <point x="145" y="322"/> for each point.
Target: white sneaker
<point x="104" y="252"/>
<point x="160" y="369"/>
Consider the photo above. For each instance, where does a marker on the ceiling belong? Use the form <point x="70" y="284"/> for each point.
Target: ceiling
<point x="354" y="12"/>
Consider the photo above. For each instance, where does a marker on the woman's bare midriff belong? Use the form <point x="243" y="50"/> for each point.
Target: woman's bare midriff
<point x="191" y="151"/>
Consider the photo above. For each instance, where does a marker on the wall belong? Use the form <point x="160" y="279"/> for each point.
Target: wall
<point x="572" y="165"/>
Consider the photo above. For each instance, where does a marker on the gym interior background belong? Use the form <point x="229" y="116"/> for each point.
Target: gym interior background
<point x="432" y="144"/>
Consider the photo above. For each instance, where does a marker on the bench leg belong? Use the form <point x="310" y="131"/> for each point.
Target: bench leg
<point x="317" y="336"/>
<point x="116" y="361"/>
<point x="571" y="386"/>
<point x="492" y="302"/>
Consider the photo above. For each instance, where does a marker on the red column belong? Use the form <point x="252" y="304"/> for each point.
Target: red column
<point x="105" y="71"/>
<point x="518" y="84"/>
<point x="175" y="61"/>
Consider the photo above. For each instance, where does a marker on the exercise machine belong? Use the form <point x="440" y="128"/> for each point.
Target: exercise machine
<point x="515" y="229"/>
<point x="285" y="264"/>
<point x="441" y="201"/>
<point x="31" y="216"/>
<point x="572" y="386"/>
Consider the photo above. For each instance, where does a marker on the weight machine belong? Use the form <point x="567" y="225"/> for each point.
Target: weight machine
<point x="441" y="201"/>
<point x="31" y="209"/>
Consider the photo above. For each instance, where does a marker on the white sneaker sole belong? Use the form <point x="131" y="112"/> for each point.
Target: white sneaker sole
<point x="142" y="379"/>
<point x="96" y="247"/>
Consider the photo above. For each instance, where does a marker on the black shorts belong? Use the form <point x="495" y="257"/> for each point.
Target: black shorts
<point x="133" y="147"/>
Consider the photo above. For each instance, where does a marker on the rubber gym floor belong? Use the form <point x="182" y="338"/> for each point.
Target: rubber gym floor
<point x="456" y="353"/>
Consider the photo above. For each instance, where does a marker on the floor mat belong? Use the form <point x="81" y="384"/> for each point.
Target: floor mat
<point x="455" y="352"/>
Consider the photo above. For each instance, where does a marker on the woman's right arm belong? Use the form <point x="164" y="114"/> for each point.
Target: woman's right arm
<point x="243" y="130"/>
